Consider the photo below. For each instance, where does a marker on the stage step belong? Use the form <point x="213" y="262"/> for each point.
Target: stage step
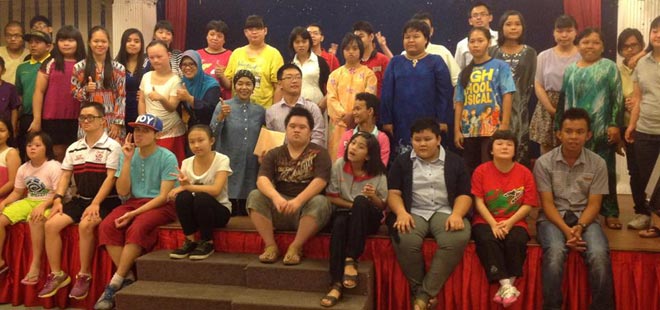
<point x="237" y="281"/>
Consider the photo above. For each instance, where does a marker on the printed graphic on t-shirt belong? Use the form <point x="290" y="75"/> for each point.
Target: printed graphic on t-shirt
<point x="481" y="111"/>
<point x="36" y="187"/>
<point x="300" y="170"/>
<point x="500" y="203"/>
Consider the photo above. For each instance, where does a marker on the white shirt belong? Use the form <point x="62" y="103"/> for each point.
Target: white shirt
<point x="463" y="56"/>
<point x="220" y="163"/>
<point x="172" y="124"/>
<point x="311" y="73"/>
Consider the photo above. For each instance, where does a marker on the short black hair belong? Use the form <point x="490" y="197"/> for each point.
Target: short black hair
<point x="203" y="127"/>
<point x="92" y="104"/>
<point x="300" y="32"/>
<point x="254" y="21"/>
<point x="164" y="24"/>
<point x="576" y="114"/>
<point x="348" y="39"/>
<point x="425" y="123"/>
<point x="419" y="25"/>
<point x="371" y="101"/>
<point x="478" y="4"/>
<point x="218" y="26"/>
<point x="625" y="34"/>
<point x="317" y="26"/>
<point x="300" y="111"/>
<point x="40" y="18"/>
<point x="286" y="66"/>
<point x="363" y="26"/>
<point x="14" y="23"/>
<point x="503" y="135"/>
<point x="503" y="18"/>
<point x="565" y="21"/>
<point x="587" y="32"/>
<point x="45" y="138"/>
<point x="422" y="15"/>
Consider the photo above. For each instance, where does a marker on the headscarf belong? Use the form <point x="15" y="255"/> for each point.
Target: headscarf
<point x="201" y="82"/>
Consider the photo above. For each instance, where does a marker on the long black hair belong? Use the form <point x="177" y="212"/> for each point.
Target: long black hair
<point x="373" y="166"/>
<point x="122" y="55"/>
<point x="464" y="78"/>
<point x="68" y="32"/>
<point x="90" y="63"/>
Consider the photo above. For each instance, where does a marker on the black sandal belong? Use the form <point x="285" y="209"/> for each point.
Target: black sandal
<point x="351" y="278"/>
<point x="329" y="300"/>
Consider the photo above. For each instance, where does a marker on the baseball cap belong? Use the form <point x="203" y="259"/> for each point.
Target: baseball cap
<point x="148" y="120"/>
<point x="36" y="34"/>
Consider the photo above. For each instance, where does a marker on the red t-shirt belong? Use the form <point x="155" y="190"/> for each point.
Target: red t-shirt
<point x="209" y="61"/>
<point x="503" y="193"/>
<point x="331" y="59"/>
<point x="377" y="63"/>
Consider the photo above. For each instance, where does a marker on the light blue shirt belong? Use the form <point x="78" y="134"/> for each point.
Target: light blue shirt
<point x="147" y="173"/>
<point x="429" y="191"/>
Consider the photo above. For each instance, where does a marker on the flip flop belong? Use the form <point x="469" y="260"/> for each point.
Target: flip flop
<point x="613" y="223"/>
<point x="30" y="279"/>
<point x="293" y="256"/>
<point x="350" y="281"/>
<point x="329" y="300"/>
<point x="270" y="254"/>
<point x="652" y="232"/>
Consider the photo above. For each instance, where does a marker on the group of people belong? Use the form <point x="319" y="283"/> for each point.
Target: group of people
<point x="419" y="141"/>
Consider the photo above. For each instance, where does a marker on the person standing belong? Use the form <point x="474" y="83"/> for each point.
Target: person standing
<point x="14" y="52"/>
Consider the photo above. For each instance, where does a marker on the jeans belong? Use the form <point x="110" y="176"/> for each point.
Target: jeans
<point x="597" y="257"/>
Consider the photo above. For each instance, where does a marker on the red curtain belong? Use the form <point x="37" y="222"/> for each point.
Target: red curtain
<point x="587" y="13"/>
<point x="636" y="274"/>
<point x="176" y="11"/>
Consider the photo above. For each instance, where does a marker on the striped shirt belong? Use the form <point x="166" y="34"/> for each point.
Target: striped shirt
<point x="91" y="163"/>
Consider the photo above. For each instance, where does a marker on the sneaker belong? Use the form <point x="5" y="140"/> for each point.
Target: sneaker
<point x="509" y="295"/>
<point x="81" y="287"/>
<point x="498" y="296"/>
<point x="183" y="252"/>
<point x="202" y="251"/>
<point x="53" y="284"/>
<point x="107" y="299"/>
<point x="639" y="222"/>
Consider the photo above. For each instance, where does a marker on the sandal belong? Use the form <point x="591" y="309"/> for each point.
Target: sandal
<point x="293" y="256"/>
<point x="270" y="254"/>
<point x="652" y="232"/>
<point x="613" y="222"/>
<point x="4" y="269"/>
<point x="329" y="300"/>
<point x="350" y="281"/>
<point x="30" y="279"/>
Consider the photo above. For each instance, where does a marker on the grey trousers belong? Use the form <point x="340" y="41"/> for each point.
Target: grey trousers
<point x="451" y="244"/>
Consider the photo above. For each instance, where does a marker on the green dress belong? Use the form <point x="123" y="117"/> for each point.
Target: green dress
<point x="597" y="89"/>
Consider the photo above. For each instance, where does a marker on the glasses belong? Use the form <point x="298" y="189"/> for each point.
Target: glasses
<point x="630" y="46"/>
<point x="13" y="36"/>
<point x="477" y="15"/>
<point x="88" y="118"/>
<point x="292" y="78"/>
<point x="188" y="65"/>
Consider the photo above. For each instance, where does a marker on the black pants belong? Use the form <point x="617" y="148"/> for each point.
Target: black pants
<point x="200" y="212"/>
<point x="238" y="207"/>
<point x="501" y="258"/>
<point x="24" y="122"/>
<point x="636" y="186"/>
<point x="350" y="229"/>
<point x="475" y="152"/>
<point x="647" y="148"/>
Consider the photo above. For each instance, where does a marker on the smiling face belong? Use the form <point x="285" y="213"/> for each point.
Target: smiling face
<point x="291" y="81"/>
<point x="591" y="47"/>
<point x="99" y="43"/>
<point x="133" y="44"/>
<point x="67" y="47"/>
<point x="188" y="67"/>
<point x="654" y="38"/>
<point x="244" y="88"/>
<point x="361" y="113"/>
<point x="426" y="144"/>
<point x="164" y="35"/>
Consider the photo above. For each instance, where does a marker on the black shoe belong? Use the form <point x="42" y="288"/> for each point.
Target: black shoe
<point x="183" y="252"/>
<point x="203" y="250"/>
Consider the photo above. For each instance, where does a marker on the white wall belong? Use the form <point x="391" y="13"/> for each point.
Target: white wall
<point x="140" y="14"/>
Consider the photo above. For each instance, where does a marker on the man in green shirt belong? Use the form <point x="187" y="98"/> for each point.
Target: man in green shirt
<point x="39" y="44"/>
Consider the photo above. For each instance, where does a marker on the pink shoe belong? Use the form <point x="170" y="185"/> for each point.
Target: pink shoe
<point x="81" y="287"/>
<point x="498" y="296"/>
<point x="509" y="296"/>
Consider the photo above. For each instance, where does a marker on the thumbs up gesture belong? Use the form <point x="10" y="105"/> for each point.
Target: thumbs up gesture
<point x="154" y="95"/>
<point x="183" y="95"/>
<point x="91" y="85"/>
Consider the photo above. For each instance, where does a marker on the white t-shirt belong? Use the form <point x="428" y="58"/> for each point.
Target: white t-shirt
<point x="172" y="124"/>
<point x="311" y="73"/>
<point x="220" y="163"/>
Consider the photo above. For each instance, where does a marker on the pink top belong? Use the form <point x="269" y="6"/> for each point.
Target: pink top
<point x="40" y="181"/>
<point x="380" y="136"/>
<point x="4" y="171"/>
<point x="209" y="61"/>
<point x="58" y="100"/>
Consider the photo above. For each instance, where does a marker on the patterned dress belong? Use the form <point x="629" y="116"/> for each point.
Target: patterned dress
<point x="597" y="89"/>
<point x="523" y="68"/>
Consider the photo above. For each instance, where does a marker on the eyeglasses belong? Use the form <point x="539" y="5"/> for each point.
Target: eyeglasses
<point x="292" y="78"/>
<point x="88" y="118"/>
<point x="188" y="65"/>
<point x="13" y="36"/>
<point x="630" y="46"/>
<point x="482" y="14"/>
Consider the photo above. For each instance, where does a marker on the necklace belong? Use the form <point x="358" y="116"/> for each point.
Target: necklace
<point x="416" y="59"/>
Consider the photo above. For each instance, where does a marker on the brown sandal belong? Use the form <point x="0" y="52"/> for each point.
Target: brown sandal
<point x="652" y="232"/>
<point x="329" y="300"/>
<point x="350" y="281"/>
<point x="293" y="256"/>
<point x="270" y="255"/>
<point x="613" y="223"/>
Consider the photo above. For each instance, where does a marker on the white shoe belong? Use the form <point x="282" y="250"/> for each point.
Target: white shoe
<point x="640" y="221"/>
<point x="509" y="295"/>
